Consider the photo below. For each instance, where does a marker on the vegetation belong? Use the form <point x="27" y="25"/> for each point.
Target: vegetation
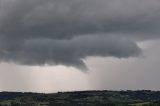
<point x="82" y="98"/>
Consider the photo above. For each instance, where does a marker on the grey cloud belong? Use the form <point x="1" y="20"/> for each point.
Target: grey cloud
<point x="68" y="31"/>
<point x="68" y="52"/>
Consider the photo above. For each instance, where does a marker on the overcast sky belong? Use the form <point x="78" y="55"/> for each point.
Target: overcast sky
<point x="61" y="45"/>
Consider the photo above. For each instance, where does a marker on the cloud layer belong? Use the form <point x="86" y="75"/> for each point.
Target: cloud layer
<point x="38" y="32"/>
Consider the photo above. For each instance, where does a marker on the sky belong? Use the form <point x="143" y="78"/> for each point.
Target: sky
<point x="59" y="45"/>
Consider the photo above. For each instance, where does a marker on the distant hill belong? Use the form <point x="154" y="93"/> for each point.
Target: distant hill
<point x="82" y="98"/>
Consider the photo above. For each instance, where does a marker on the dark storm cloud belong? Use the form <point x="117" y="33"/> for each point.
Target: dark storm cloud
<point x="68" y="52"/>
<point x="37" y="32"/>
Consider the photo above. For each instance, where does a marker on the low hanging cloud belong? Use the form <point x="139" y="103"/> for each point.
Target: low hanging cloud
<point x="38" y="32"/>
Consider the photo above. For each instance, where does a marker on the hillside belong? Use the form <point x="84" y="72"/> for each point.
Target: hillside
<point x="82" y="98"/>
